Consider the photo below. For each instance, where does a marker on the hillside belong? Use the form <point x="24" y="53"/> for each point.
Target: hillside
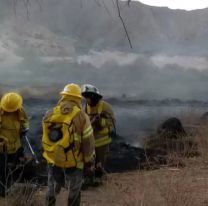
<point x="68" y="41"/>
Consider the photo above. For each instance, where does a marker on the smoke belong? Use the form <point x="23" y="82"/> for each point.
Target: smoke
<point x="185" y="62"/>
<point x="98" y="59"/>
<point x="68" y="42"/>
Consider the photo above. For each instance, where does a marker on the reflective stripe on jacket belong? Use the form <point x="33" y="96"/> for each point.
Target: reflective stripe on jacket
<point x="104" y="113"/>
<point x="77" y="144"/>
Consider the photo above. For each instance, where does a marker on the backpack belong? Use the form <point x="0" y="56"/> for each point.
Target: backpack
<point x="58" y="140"/>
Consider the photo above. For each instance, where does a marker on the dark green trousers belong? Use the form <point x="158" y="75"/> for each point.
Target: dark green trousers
<point x="70" y="178"/>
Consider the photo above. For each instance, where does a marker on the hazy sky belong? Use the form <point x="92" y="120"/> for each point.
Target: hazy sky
<point x="168" y="59"/>
<point x="178" y="4"/>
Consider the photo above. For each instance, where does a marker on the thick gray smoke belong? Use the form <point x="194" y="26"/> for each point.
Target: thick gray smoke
<point x="84" y="42"/>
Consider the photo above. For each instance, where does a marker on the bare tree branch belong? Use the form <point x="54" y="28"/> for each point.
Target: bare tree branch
<point x="128" y="2"/>
<point x="27" y="4"/>
<point x="122" y="21"/>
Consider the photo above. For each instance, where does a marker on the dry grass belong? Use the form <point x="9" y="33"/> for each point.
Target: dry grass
<point x="19" y="194"/>
<point x="164" y="187"/>
<point x="170" y="185"/>
<point x="24" y="194"/>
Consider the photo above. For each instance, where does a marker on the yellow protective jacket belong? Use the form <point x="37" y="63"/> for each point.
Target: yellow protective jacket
<point x="105" y="115"/>
<point x="11" y="125"/>
<point x="76" y="147"/>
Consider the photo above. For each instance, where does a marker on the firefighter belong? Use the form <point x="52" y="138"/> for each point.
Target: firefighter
<point x="14" y="125"/>
<point x="68" y="145"/>
<point x="103" y="123"/>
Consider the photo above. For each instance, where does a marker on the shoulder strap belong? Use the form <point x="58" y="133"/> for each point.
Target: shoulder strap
<point x="22" y="115"/>
<point x="57" y="117"/>
<point x="100" y="107"/>
<point x="75" y="112"/>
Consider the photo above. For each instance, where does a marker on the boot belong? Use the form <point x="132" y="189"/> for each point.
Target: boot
<point x="88" y="181"/>
<point x="98" y="178"/>
<point x="50" y="201"/>
<point x="74" y="201"/>
<point x="97" y="181"/>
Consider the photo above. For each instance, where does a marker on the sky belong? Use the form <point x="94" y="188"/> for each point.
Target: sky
<point x="178" y="4"/>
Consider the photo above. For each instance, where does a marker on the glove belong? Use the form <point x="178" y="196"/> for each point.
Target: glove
<point x="3" y="147"/>
<point x="89" y="169"/>
<point x="19" y="156"/>
<point x="24" y="132"/>
<point x="96" y="123"/>
<point x="113" y="134"/>
<point x="95" y="119"/>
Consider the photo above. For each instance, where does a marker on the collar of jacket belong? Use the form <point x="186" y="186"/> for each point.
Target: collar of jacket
<point x="21" y="114"/>
<point x="70" y="102"/>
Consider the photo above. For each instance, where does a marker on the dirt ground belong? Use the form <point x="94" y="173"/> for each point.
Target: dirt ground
<point x="165" y="187"/>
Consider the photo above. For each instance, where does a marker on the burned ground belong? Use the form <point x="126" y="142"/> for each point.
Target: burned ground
<point x="123" y="155"/>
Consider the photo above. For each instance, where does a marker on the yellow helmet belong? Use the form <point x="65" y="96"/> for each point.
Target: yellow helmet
<point x="11" y="102"/>
<point x="72" y="90"/>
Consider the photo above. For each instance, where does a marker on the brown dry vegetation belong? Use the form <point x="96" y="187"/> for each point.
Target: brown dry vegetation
<point x="166" y="186"/>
